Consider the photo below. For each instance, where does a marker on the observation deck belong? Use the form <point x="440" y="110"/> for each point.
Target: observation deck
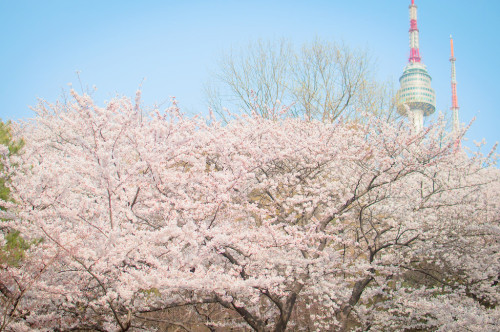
<point x="416" y="93"/>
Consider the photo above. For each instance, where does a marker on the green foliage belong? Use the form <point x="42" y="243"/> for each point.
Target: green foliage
<point x="6" y="138"/>
<point x="151" y="292"/>
<point x="12" y="253"/>
<point x="4" y="191"/>
<point x="14" y="148"/>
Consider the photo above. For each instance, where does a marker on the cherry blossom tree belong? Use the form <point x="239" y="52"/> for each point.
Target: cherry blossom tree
<point x="139" y="219"/>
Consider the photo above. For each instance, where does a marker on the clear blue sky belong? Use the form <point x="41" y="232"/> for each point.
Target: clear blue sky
<point x="175" y="44"/>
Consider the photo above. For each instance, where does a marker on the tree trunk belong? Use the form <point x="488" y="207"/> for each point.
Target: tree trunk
<point x="343" y="314"/>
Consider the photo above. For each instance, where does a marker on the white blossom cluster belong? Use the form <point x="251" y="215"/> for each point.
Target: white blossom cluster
<point x="141" y="219"/>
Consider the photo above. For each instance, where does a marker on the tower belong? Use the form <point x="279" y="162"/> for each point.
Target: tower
<point x="454" y="102"/>
<point x="415" y="98"/>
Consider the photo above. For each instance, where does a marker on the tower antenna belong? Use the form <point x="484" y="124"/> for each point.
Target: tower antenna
<point x="414" y="42"/>
<point x="454" y="100"/>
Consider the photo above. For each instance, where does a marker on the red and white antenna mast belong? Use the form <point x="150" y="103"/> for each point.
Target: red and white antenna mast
<point x="414" y="44"/>
<point x="454" y="101"/>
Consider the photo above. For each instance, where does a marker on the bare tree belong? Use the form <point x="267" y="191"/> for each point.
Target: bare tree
<point x="322" y="80"/>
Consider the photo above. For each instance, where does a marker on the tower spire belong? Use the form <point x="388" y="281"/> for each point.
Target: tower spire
<point x="414" y="43"/>
<point x="454" y="101"/>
